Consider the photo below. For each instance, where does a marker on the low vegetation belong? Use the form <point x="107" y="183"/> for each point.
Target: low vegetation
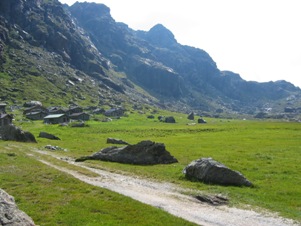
<point x="266" y="152"/>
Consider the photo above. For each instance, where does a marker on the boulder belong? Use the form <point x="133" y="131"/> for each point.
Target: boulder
<point x="11" y="132"/>
<point x="10" y="214"/>
<point x="169" y="119"/>
<point x="115" y="141"/>
<point x="143" y="153"/>
<point x="210" y="171"/>
<point x="200" y="120"/>
<point x="48" y="136"/>
<point x="191" y="116"/>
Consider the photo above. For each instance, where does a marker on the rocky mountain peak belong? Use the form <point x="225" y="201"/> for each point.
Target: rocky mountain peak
<point x="161" y="36"/>
<point x="90" y="11"/>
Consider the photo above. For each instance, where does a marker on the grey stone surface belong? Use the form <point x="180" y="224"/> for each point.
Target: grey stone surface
<point x="10" y="214"/>
<point x="210" y="171"/>
<point x="143" y="153"/>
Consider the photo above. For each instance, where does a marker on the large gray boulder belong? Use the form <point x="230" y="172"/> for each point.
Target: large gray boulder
<point x="210" y="171"/>
<point x="11" y="132"/>
<point x="10" y="214"/>
<point x="143" y="153"/>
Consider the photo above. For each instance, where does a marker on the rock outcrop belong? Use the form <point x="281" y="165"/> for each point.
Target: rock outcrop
<point x="210" y="171"/>
<point x="143" y="153"/>
<point x="11" y="132"/>
<point x="10" y="214"/>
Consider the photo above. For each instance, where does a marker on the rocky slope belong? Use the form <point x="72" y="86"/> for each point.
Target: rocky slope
<point x="45" y="56"/>
<point x="173" y="72"/>
<point x="80" y="54"/>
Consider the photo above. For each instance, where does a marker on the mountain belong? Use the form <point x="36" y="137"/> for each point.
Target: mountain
<point x="80" y="54"/>
<point x="171" y="71"/>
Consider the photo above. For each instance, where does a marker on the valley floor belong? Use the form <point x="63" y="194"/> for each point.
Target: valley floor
<point x="168" y="197"/>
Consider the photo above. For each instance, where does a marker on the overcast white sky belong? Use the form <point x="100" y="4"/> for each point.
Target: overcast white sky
<point x="258" y="39"/>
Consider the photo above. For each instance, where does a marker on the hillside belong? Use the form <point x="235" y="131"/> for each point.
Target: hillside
<point x="80" y="55"/>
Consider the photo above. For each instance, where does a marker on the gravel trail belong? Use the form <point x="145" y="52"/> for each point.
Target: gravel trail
<point x="171" y="199"/>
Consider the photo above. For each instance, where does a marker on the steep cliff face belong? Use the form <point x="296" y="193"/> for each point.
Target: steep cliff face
<point x="46" y="24"/>
<point x="127" y="51"/>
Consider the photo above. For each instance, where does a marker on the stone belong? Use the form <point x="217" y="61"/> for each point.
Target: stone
<point x="11" y="132"/>
<point x="191" y="116"/>
<point x="115" y="141"/>
<point x="210" y="171"/>
<point x="169" y="119"/>
<point x="10" y="214"/>
<point x="54" y="148"/>
<point x="48" y="136"/>
<point x="144" y="153"/>
<point x="200" y="120"/>
<point x="215" y="200"/>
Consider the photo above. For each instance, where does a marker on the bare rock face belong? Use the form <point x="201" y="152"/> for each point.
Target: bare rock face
<point x="210" y="171"/>
<point x="11" y="132"/>
<point x="143" y="153"/>
<point x="10" y="215"/>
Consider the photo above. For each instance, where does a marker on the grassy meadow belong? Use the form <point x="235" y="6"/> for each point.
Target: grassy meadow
<point x="266" y="152"/>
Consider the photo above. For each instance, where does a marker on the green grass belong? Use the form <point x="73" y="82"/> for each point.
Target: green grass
<point x="54" y="198"/>
<point x="266" y="152"/>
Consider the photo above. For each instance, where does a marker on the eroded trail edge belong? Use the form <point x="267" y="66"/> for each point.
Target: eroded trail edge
<point x="170" y="198"/>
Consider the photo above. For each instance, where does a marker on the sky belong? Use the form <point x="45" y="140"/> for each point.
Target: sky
<point x="258" y="39"/>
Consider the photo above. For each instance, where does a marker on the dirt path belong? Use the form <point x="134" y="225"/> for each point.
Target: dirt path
<point x="171" y="199"/>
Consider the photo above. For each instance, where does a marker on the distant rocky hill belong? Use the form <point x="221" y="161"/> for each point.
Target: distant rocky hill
<point x="83" y="55"/>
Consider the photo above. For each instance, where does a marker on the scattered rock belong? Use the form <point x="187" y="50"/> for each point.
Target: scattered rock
<point x="191" y="124"/>
<point x="216" y="200"/>
<point x="107" y="120"/>
<point x="169" y="119"/>
<point x="150" y="116"/>
<point x="11" y="132"/>
<point x="143" y="153"/>
<point x="54" y="148"/>
<point x="98" y="111"/>
<point x="191" y="116"/>
<point x="114" y="112"/>
<point x="200" y="120"/>
<point x="48" y="136"/>
<point x="10" y="214"/>
<point x="116" y="141"/>
<point x="210" y="171"/>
